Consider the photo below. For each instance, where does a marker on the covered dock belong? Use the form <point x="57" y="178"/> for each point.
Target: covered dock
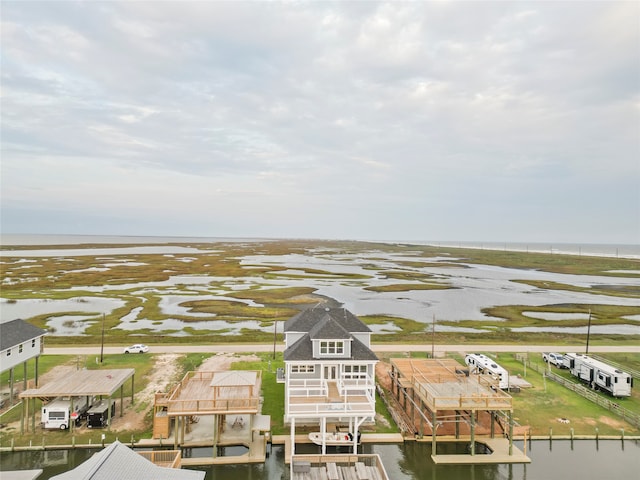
<point x="214" y="409"/>
<point x="83" y="383"/>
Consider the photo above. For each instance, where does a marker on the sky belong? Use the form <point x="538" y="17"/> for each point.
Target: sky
<point x="444" y="120"/>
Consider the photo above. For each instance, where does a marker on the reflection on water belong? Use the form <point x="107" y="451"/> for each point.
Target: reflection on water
<point x="583" y="459"/>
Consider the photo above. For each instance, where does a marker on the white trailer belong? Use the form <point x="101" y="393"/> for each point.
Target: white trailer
<point x="599" y="375"/>
<point x="57" y="414"/>
<point x="481" y="364"/>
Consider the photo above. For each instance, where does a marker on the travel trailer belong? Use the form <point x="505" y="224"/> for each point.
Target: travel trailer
<point x="481" y="364"/>
<point x="598" y="375"/>
<point x="57" y="413"/>
<point x="98" y="415"/>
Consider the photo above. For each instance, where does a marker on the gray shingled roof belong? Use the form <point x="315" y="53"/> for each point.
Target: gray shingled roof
<point x="18" y="331"/>
<point x="117" y="461"/>
<point x="328" y="329"/>
<point x="305" y="320"/>
<point x="325" y="323"/>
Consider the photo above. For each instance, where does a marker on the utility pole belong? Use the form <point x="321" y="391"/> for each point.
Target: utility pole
<point x="433" y="336"/>
<point x="275" y="331"/>
<point x="102" y="342"/>
<point x="588" y="333"/>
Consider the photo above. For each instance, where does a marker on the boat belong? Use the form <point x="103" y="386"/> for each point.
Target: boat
<point x="337" y="438"/>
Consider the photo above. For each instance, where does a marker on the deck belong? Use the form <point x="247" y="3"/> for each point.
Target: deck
<point x="442" y="385"/>
<point x="210" y="393"/>
<point x="338" y="467"/>
<point x="323" y="398"/>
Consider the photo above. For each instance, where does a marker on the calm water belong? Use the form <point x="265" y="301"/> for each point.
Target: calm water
<point x="474" y="288"/>
<point x="584" y="460"/>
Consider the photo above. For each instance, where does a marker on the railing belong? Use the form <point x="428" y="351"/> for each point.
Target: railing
<point x="350" y="461"/>
<point x="201" y="406"/>
<point x="308" y="388"/>
<point x="164" y="458"/>
<point x="334" y="409"/>
<point x="497" y="400"/>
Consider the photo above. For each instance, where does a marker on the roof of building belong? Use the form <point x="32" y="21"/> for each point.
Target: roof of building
<point x="21" y="474"/>
<point x="327" y="324"/>
<point x="82" y="382"/>
<point x="119" y="461"/>
<point x="234" y="378"/>
<point x="307" y="319"/>
<point x="18" y="331"/>
<point x="303" y="350"/>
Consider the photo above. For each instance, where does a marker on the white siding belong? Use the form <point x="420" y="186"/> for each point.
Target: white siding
<point x="11" y="357"/>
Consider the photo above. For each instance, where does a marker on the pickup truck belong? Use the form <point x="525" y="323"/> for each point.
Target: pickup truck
<point x="554" y="359"/>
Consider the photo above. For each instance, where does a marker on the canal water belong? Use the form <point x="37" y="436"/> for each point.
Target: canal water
<point x="563" y="460"/>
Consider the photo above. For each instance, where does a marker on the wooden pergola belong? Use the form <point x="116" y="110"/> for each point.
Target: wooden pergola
<point x="440" y="391"/>
<point x="82" y="383"/>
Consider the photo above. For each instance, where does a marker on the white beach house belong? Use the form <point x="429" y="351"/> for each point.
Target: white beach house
<point x="329" y="371"/>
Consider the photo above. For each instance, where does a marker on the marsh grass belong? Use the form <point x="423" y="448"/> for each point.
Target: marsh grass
<point x="53" y="278"/>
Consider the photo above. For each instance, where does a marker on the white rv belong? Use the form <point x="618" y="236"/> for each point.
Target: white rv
<point x="57" y="413"/>
<point x="598" y="375"/>
<point x="481" y="364"/>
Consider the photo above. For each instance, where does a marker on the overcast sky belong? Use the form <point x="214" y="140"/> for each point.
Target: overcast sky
<point x="496" y="121"/>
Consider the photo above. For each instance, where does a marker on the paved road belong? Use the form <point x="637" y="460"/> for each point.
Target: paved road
<point x="381" y="348"/>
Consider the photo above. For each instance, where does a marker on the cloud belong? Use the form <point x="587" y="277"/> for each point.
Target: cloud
<point x="353" y="119"/>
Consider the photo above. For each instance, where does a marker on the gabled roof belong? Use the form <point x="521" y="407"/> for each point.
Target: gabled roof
<point x="234" y="378"/>
<point x="326" y="324"/>
<point x="328" y="329"/>
<point x="18" y="331"/>
<point x="119" y="461"/>
<point x="305" y="320"/>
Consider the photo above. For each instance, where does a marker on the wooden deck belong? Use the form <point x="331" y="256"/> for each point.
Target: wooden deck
<point x="338" y="467"/>
<point x="500" y="448"/>
<point x="201" y="393"/>
<point x="442" y="385"/>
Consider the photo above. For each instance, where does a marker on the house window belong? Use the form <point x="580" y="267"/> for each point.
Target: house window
<point x="20" y="349"/>
<point x="33" y="343"/>
<point x="303" y="368"/>
<point x="355" y="371"/>
<point x="9" y="353"/>
<point x="331" y="348"/>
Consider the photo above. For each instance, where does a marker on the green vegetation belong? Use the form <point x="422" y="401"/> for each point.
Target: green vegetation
<point x="135" y="281"/>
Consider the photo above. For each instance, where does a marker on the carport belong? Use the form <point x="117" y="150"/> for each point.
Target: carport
<point x="82" y="383"/>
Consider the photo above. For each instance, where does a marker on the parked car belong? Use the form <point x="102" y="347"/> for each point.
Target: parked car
<point x="554" y="359"/>
<point x="137" y="348"/>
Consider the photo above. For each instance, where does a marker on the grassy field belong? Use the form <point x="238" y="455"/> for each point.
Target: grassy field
<point x="539" y="407"/>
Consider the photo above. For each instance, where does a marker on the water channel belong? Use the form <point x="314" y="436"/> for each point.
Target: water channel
<point x="560" y="459"/>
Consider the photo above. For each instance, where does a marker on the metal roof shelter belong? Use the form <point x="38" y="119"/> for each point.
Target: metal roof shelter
<point x="119" y="461"/>
<point x="82" y="383"/>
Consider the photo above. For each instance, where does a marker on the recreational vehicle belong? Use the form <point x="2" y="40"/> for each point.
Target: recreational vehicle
<point x="58" y="414"/>
<point x="598" y="375"/>
<point x="481" y="364"/>
<point x="98" y="415"/>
